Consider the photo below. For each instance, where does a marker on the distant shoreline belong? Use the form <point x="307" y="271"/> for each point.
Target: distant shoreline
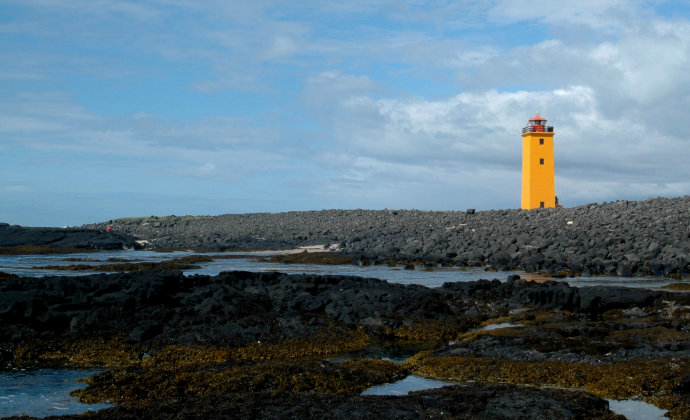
<point x="624" y="238"/>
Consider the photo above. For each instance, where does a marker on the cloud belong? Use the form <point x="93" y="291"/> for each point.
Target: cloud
<point x="98" y="8"/>
<point x="225" y="149"/>
<point x="461" y="127"/>
<point x="638" y="73"/>
<point x="347" y="103"/>
<point x="207" y="168"/>
<point x="617" y="97"/>
<point x="282" y="46"/>
<point x="417" y="140"/>
<point x="599" y="14"/>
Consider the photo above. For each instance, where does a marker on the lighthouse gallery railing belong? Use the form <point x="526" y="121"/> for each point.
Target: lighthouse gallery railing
<point x="538" y="129"/>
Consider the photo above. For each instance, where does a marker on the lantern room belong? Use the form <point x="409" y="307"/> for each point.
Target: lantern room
<point x="537" y="124"/>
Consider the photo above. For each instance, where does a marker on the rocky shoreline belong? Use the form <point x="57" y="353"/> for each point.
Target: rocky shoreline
<point x="622" y="238"/>
<point x="273" y="345"/>
<point x="262" y="344"/>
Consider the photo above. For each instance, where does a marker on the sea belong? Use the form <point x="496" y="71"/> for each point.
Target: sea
<point x="45" y="392"/>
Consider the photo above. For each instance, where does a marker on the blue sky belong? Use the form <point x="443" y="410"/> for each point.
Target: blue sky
<point x="114" y="108"/>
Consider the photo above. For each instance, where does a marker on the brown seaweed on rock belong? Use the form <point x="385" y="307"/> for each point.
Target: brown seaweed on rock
<point x="459" y="402"/>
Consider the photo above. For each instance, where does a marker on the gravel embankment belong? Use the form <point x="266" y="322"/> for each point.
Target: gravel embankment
<point x="622" y="238"/>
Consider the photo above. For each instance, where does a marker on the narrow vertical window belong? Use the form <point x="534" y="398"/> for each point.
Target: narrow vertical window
<point x="541" y="161"/>
<point x="541" y="204"/>
<point x="541" y="141"/>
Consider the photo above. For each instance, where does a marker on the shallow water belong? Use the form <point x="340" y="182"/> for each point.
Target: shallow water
<point x="632" y="409"/>
<point x="433" y="278"/>
<point x="405" y="386"/>
<point x="42" y="393"/>
<point x="636" y="410"/>
<point x="498" y="325"/>
<point x="25" y="265"/>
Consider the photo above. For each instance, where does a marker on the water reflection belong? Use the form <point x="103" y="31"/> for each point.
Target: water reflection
<point x="498" y="326"/>
<point x="405" y="386"/>
<point x="636" y="410"/>
<point x="29" y="265"/>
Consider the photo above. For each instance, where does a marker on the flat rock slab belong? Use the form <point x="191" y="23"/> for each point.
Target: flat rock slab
<point x="74" y="238"/>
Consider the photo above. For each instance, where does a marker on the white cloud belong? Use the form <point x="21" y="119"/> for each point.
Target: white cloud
<point x="417" y="140"/>
<point x="462" y="127"/>
<point x="601" y="14"/>
<point x="326" y="91"/>
<point x="396" y="102"/>
<point x="281" y="46"/>
<point x="224" y="149"/>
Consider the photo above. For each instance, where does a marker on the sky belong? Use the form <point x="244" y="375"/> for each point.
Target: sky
<point x="124" y="108"/>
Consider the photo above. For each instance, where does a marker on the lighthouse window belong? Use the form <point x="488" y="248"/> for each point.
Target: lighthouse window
<point x="541" y="141"/>
<point x="541" y="161"/>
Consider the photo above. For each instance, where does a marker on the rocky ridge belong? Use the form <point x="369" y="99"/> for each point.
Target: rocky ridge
<point x="623" y="238"/>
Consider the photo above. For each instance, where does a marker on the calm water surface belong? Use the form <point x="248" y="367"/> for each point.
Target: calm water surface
<point x="42" y="393"/>
<point x="27" y="265"/>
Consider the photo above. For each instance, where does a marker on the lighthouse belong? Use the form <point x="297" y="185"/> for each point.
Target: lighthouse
<point x="538" y="176"/>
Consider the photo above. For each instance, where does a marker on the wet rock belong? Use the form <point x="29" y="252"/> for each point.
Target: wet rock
<point x="552" y="295"/>
<point x="142" y="333"/>
<point x="260" y="332"/>
<point x="599" y="299"/>
<point x="683" y="386"/>
<point x="234" y="308"/>
<point x="6" y="358"/>
<point x="469" y="401"/>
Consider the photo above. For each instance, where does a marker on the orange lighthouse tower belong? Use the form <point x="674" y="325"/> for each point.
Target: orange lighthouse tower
<point x="538" y="175"/>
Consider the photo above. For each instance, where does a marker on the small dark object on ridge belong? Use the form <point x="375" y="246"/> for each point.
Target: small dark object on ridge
<point x="470" y="211"/>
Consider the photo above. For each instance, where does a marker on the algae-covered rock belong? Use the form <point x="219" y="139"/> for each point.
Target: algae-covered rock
<point x="468" y="401"/>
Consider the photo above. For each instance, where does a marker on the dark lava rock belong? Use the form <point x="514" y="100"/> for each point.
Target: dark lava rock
<point x="236" y="308"/>
<point x="470" y="401"/>
<point x="623" y="238"/>
<point x="552" y="295"/>
<point x="599" y="299"/>
<point x="232" y="308"/>
<point x="74" y="238"/>
<point x="683" y="386"/>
